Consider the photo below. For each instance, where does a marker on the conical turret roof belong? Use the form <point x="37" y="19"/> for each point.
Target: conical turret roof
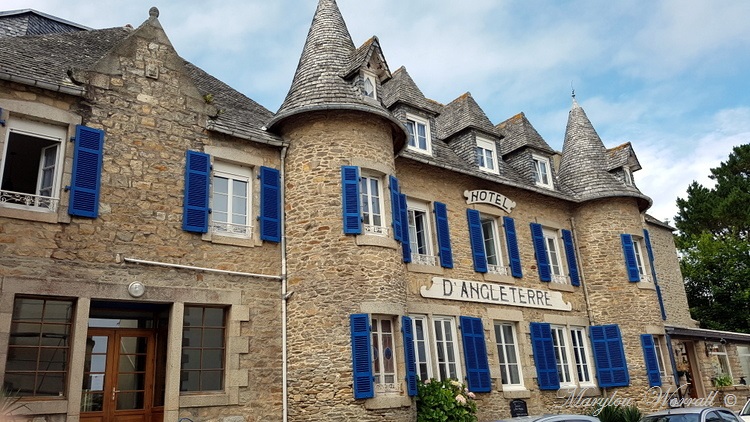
<point x="319" y="82"/>
<point x="585" y="161"/>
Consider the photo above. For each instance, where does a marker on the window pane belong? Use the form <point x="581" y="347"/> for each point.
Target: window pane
<point x="203" y="349"/>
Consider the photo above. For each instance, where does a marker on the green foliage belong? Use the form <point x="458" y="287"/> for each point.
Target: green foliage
<point x="714" y="243"/>
<point x="616" y="413"/>
<point x="445" y="401"/>
<point x="723" y="380"/>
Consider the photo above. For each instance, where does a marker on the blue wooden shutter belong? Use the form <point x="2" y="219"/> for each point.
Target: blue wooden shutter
<point x="544" y="356"/>
<point x="570" y="255"/>
<point x="540" y="249"/>
<point x="395" y="208"/>
<point x="443" y="235"/>
<point x="512" y="241"/>
<point x="350" y="200"/>
<point x="477" y="241"/>
<point x="195" y="202"/>
<point x="411" y="359"/>
<point x="647" y="238"/>
<point x="652" y="364"/>
<point x="364" y="383"/>
<point x="87" y="170"/>
<point x="405" y="245"/>
<point x="630" y="262"/>
<point x="609" y="356"/>
<point x="475" y="355"/>
<point x="270" y="204"/>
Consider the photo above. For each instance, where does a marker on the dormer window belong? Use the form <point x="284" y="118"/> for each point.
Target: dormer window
<point x="419" y="134"/>
<point x="369" y="86"/>
<point x="541" y="171"/>
<point x="628" y="176"/>
<point x="487" y="155"/>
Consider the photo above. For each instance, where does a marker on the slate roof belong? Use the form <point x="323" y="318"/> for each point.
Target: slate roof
<point x="663" y="224"/>
<point x="319" y="82"/>
<point x="463" y="113"/>
<point x="401" y="88"/>
<point x="16" y="23"/>
<point x="45" y="61"/>
<point x="584" y="164"/>
<point x="619" y="156"/>
<point x="519" y="133"/>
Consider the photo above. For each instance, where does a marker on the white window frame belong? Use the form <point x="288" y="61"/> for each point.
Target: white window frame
<point x="554" y="255"/>
<point x="570" y="355"/>
<point x="232" y="172"/>
<point x="660" y="355"/>
<point x="496" y="265"/>
<point x="420" y="231"/>
<point x="720" y="351"/>
<point x="507" y="350"/>
<point x="640" y="259"/>
<point x="422" y="346"/>
<point x="450" y="366"/>
<point x="28" y="201"/>
<point x="373" y="221"/>
<point x="540" y="163"/>
<point x="412" y="127"/>
<point x="369" y="77"/>
<point x="628" y="176"/>
<point x="386" y="381"/>
<point x="483" y="147"/>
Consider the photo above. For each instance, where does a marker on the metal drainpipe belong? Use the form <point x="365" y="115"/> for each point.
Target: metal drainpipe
<point x="284" y="297"/>
<point x="580" y="273"/>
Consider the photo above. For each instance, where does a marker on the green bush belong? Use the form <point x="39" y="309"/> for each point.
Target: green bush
<point x="723" y="380"/>
<point x="445" y="401"/>
<point x="616" y="413"/>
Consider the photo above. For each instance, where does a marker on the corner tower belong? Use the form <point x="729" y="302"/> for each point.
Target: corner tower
<point x="343" y="256"/>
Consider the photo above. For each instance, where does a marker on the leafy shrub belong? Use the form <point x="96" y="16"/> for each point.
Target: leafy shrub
<point x="445" y="401"/>
<point x="723" y="380"/>
<point x="616" y="413"/>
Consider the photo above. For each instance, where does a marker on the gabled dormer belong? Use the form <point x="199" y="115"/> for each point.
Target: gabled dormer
<point x="526" y="151"/>
<point x="368" y="69"/>
<point x="623" y="162"/>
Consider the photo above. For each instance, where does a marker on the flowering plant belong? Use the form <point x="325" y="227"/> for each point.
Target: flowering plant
<point x="447" y="400"/>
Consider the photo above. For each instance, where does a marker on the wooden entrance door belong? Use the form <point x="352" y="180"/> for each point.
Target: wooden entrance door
<point x="118" y="378"/>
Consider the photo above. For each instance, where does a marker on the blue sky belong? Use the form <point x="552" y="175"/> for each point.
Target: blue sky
<point x="671" y="77"/>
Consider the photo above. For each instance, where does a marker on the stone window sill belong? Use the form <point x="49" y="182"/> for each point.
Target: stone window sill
<point x="426" y="269"/>
<point x="646" y="285"/>
<point x="561" y="287"/>
<point x="505" y="279"/>
<point x="372" y="240"/>
<point x="387" y="402"/>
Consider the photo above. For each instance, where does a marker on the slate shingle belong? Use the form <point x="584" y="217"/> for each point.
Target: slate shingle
<point x="518" y="133"/>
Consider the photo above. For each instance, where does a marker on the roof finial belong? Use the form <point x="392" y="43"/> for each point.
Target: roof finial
<point x="153" y="12"/>
<point x="572" y="90"/>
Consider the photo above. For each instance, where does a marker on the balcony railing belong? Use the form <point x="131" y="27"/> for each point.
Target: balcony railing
<point x="36" y="202"/>
<point x="559" y="279"/>
<point x="234" y="230"/>
<point x="423" y="259"/>
<point x="376" y="230"/>
<point x="497" y="269"/>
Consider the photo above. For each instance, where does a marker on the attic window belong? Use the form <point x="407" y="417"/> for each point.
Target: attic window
<point x="487" y="155"/>
<point x="541" y="170"/>
<point x="419" y="134"/>
<point x="628" y="176"/>
<point x="368" y="86"/>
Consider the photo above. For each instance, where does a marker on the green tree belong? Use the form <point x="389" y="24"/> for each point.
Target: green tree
<point x="713" y="238"/>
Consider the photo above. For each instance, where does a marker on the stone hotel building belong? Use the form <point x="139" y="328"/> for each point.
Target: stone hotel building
<point x="169" y="248"/>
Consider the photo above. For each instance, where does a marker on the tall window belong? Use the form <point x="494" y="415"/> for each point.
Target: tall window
<point x="446" y="348"/>
<point x="230" y="203"/>
<point x="419" y="134"/>
<point x="39" y="347"/>
<point x="541" y="171"/>
<point x="203" y="349"/>
<point x="744" y="355"/>
<point x="551" y="240"/>
<point x="507" y="353"/>
<point x="490" y="235"/>
<point x="718" y="358"/>
<point x="572" y="355"/>
<point x="384" y="359"/>
<point x="660" y="356"/>
<point x="639" y="258"/>
<point x="486" y="155"/>
<point x="30" y="166"/>
<point x="422" y="347"/>
<point x="372" y="204"/>
<point x="420" y="234"/>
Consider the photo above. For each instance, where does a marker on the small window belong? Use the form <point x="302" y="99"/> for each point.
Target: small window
<point x="541" y="171"/>
<point x="39" y="347"/>
<point x="371" y="196"/>
<point x="487" y="155"/>
<point x="383" y="355"/>
<point x="718" y="357"/>
<point x="640" y="259"/>
<point x="491" y="237"/>
<point x="628" y="176"/>
<point x="31" y="165"/>
<point x="420" y="234"/>
<point x="230" y="200"/>
<point x="660" y="356"/>
<point x="511" y="374"/>
<point x="419" y="134"/>
<point x="552" y="243"/>
<point x="369" y="86"/>
<point x="744" y="355"/>
<point x="203" y="349"/>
